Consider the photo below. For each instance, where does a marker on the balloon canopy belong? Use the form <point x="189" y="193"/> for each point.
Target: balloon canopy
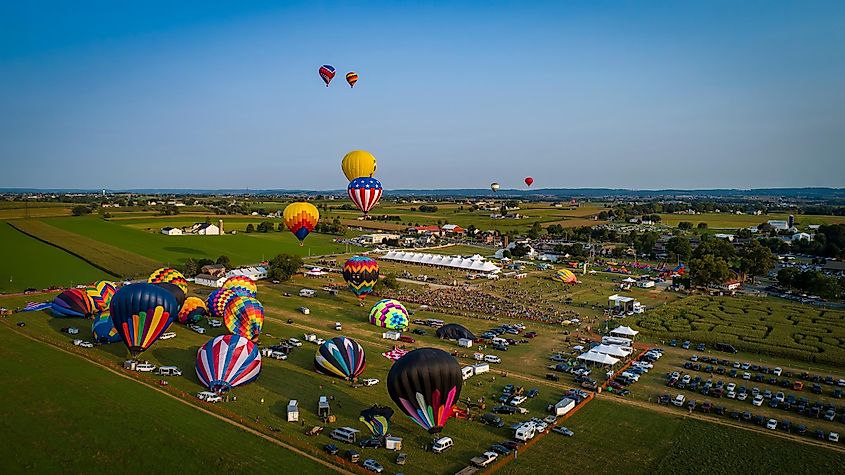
<point x="241" y="285"/>
<point x="352" y="78"/>
<point x="358" y="163"/>
<point x="168" y="274"/>
<point x="174" y="290"/>
<point x="342" y="357"/>
<point x="103" y="330"/>
<point x="141" y="313"/>
<point x="390" y="314"/>
<point x="361" y="275"/>
<point x="327" y="73"/>
<point x="425" y="384"/>
<point x="566" y="276"/>
<point x="365" y="192"/>
<point x="244" y="316"/>
<point x="377" y="419"/>
<point x="192" y="311"/>
<point x="529" y="181"/>
<point x="494" y="186"/>
<point x="101" y="294"/>
<point x="227" y="361"/>
<point x="73" y="303"/>
<point x="453" y="331"/>
<point x="217" y="301"/>
<point x="301" y="218"/>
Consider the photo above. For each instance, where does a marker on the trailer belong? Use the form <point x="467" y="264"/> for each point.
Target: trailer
<point x="391" y="335"/>
<point x="467" y="372"/>
<point x="480" y="368"/>
<point x="563" y="406"/>
<point x="465" y="343"/>
<point x="293" y="410"/>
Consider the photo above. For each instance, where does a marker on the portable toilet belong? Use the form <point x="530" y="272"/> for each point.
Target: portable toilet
<point x="293" y="411"/>
<point x="393" y="443"/>
<point x="465" y="343"/>
<point x="323" y="409"/>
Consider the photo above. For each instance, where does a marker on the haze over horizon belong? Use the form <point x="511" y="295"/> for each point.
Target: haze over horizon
<point x="633" y="95"/>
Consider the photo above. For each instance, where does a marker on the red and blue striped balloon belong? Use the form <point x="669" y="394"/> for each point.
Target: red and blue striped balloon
<point x="227" y="361"/>
<point x="327" y="73"/>
<point x="364" y="192"/>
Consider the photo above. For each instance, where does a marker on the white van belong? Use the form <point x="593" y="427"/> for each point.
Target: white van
<point x="145" y="367"/>
<point x="441" y="444"/>
<point x="167" y="335"/>
<point x="307" y="293"/>
<point x="345" y="434"/>
<point x="169" y="371"/>
<point x="500" y="341"/>
<point x="209" y="396"/>
<point x="492" y="359"/>
<point x="525" y="432"/>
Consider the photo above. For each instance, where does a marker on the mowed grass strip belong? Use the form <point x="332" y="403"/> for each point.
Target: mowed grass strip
<point x="110" y="258"/>
<point x="66" y="415"/>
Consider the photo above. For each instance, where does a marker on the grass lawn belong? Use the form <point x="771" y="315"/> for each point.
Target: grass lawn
<point x="736" y="221"/>
<point x="27" y="262"/>
<point x="62" y="414"/>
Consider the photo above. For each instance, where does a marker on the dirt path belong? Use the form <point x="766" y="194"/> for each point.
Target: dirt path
<point x="193" y="406"/>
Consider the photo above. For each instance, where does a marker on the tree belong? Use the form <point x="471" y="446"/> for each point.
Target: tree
<point x="506" y="254"/>
<point x="190" y="268"/>
<point x="80" y="210"/>
<point x="743" y="233"/>
<point x="702" y="225"/>
<point x="679" y="248"/>
<point x="224" y="261"/>
<point x="756" y="259"/>
<point x="204" y="262"/>
<point x="717" y="247"/>
<point x="284" y="266"/>
<point x="250" y="228"/>
<point x="388" y="282"/>
<point x="788" y="277"/>
<point x="534" y="232"/>
<point x="520" y="250"/>
<point x="685" y="225"/>
<point x="709" y="270"/>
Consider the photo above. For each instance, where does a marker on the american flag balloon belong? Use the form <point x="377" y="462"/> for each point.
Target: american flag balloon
<point x="364" y="192"/>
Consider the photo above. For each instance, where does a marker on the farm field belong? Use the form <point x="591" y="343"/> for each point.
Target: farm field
<point x="735" y="221"/>
<point x="27" y="262"/>
<point x="105" y="421"/>
<point x="760" y="325"/>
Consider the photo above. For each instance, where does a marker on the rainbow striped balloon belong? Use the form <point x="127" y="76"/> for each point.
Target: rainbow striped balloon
<point x="361" y="275"/>
<point x="390" y="314"/>
<point x="103" y="330"/>
<point x="141" y="313"/>
<point x="241" y="285"/>
<point x="101" y="294"/>
<point x="244" y="316"/>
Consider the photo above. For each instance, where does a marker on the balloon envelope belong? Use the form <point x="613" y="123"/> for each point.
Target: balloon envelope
<point x="358" y="163"/>
<point x="342" y="357"/>
<point x="141" y="313"/>
<point x="494" y="186"/>
<point x="361" y="275"/>
<point x="241" y="285"/>
<point x="101" y="294"/>
<point x="377" y="419"/>
<point x="453" y="331"/>
<point x="566" y="276"/>
<point x="103" y="330"/>
<point x="174" y="290"/>
<point x="529" y="181"/>
<point x="168" y="274"/>
<point x="390" y="314"/>
<point x="327" y="73"/>
<point x="365" y="192"/>
<point x="217" y="301"/>
<point x="244" y="316"/>
<point x="425" y="384"/>
<point x="301" y="218"/>
<point x="227" y="361"/>
<point x="192" y="310"/>
<point x="352" y="78"/>
<point x="73" y="303"/>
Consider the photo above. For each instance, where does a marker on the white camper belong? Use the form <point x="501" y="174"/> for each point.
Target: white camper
<point x="293" y="410"/>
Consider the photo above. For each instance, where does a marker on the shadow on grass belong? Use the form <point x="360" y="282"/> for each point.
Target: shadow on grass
<point x="184" y="250"/>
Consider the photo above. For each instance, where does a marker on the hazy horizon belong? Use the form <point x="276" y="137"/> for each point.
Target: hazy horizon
<point x="628" y="95"/>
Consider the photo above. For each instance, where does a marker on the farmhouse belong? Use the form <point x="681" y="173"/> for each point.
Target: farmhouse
<point x="452" y="229"/>
<point x="208" y="280"/>
<point x="169" y="231"/>
<point x="205" y="229"/>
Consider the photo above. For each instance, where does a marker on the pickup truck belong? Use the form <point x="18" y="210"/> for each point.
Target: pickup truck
<point x="484" y="459"/>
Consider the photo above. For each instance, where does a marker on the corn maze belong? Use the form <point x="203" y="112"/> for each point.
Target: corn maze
<point x="763" y="326"/>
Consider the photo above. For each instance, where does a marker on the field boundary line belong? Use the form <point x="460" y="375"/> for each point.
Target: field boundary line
<point x="97" y="266"/>
<point x="220" y="417"/>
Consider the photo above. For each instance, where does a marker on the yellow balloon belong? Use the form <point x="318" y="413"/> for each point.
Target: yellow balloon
<point x="301" y="218"/>
<point x="358" y="163"/>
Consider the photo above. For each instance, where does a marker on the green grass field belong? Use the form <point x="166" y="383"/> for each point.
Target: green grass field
<point x="27" y="262"/>
<point x="736" y="221"/>
<point x="61" y="414"/>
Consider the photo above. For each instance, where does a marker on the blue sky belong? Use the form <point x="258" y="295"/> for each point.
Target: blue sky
<point x="645" y="94"/>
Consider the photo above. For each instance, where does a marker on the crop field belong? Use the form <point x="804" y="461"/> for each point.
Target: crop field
<point x="65" y="415"/>
<point x="759" y="325"/>
<point x="736" y="221"/>
<point x="27" y="262"/>
<point x="34" y="212"/>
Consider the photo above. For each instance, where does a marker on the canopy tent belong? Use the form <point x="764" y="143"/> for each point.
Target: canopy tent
<point x="598" y="358"/>
<point x="628" y="280"/>
<point x="624" y="331"/>
<point x="612" y="350"/>
<point x="475" y="263"/>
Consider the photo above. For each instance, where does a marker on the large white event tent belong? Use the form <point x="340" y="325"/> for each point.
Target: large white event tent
<point x="622" y="331"/>
<point x="475" y="263"/>
<point x="599" y="358"/>
<point x="612" y="350"/>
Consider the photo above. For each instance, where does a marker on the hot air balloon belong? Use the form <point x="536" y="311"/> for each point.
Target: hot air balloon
<point x="73" y="303"/>
<point x="377" y="419"/>
<point x="101" y="294"/>
<point x="192" y="311"/>
<point x="141" y="313"/>
<point x="301" y="218"/>
<point x="244" y="316"/>
<point x="453" y="331"/>
<point x="361" y="275"/>
<point x="227" y="361"/>
<point x="103" y="330"/>
<point x="217" y="301"/>
<point x="167" y="274"/>
<point x="352" y="78"/>
<point x="327" y="73"/>
<point x="241" y="285"/>
<point x="566" y="276"/>
<point x="174" y="290"/>
<point x="494" y="186"/>
<point x="390" y="314"/>
<point x="529" y="181"/>
<point x="425" y="384"/>
<point x="358" y="163"/>
<point x="342" y="357"/>
<point x="364" y="192"/>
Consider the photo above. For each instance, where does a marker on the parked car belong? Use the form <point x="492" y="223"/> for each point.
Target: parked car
<point x="491" y="420"/>
<point x="563" y="431"/>
<point x="330" y="449"/>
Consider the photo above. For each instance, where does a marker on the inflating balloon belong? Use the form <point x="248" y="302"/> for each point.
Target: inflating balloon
<point x="192" y="311"/>
<point x="361" y="275"/>
<point x="101" y="294"/>
<point x="390" y="314"/>
<point x="103" y="330"/>
<point x="425" y="384"/>
<point x="73" y="303"/>
<point x="244" y="316"/>
<point x="453" y="331"/>
<point x="377" y="419"/>
<point x="141" y="313"/>
<point x="174" y="290"/>
<point x="364" y="192"/>
<point x="167" y="274"/>
<point x="217" y="301"/>
<point x="566" y="276"/>
<point x="241" y="285"/>
<point x="327" y="73"/>
<point x="301" y="218"/>
<point x="352" y="78"/>
<point x="357" y="164"/>
<point x="227" y="361"/>
<point x="342" y="357"/>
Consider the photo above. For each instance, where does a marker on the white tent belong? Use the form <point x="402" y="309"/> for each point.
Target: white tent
<point x="598" y="358"/>
<point x="612" y="350"/>
<point x="624" y="331"/>
<point x="475" y="263"/>
<point x="628" y="280"/>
